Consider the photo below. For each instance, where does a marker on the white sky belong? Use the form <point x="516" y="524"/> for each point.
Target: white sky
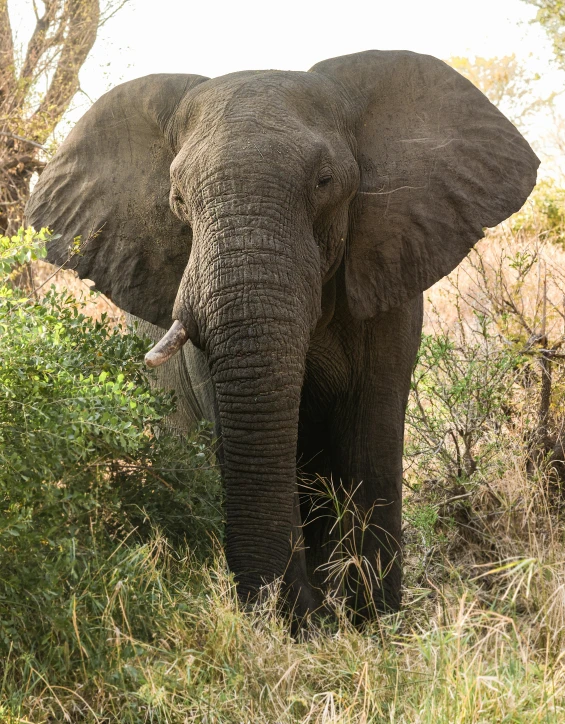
<point x="216" y="37"/>
<point x="213" y="38"/>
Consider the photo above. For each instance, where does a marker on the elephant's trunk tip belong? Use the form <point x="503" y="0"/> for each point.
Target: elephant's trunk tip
<point x="168" y="346"/>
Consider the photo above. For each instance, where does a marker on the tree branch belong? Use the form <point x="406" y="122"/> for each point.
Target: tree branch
<point x="29" y="161"/>
<point x="20" y="138"/>
<point x="84" y="16"/>
<point x="7" y="66"/>
<point x="38" y="43"/>
<point x="111" y="10"/>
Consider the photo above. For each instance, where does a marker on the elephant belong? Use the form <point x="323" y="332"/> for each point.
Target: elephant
<point x="285" y="225"/>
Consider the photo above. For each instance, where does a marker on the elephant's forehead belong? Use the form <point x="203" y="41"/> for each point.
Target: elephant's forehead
<point x="259" y="82"/>
<point x="271" y="91"/>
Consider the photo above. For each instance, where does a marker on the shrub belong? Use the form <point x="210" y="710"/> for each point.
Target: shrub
<point x="485" y="444"/>
<point x="457" y="408"/>
<point x="82" y="465"/>
<point x="544" y="213"/>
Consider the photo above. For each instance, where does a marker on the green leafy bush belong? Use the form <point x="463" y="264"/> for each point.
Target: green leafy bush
<point x="457" y="409"/>
<point x="24" y="247"/>
<point x="82" y="465"/>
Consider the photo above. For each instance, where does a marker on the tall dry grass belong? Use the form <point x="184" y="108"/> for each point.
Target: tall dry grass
<point x="457" y="658"/>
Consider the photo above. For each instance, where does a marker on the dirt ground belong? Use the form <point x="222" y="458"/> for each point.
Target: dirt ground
<point x="46" y="275"/>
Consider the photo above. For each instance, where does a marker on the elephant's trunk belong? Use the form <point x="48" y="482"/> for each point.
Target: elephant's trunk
<point x="255" y="317"/>
<point x="258" y="384"/>
<point x="257" y="365"/>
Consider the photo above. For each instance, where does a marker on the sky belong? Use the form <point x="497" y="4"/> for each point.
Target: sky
<point x="213" y="37"/>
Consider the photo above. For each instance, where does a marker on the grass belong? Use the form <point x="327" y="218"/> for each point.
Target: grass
<point x="160" y="635"/>
<point x="199" y="658"/>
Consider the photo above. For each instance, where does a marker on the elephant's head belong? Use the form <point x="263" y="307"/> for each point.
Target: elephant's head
<point x="226" y="205"/>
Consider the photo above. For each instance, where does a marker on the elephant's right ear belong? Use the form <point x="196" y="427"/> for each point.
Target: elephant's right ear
<point x="109" y="184"/>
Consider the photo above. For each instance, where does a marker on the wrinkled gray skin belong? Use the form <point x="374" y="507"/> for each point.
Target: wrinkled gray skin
<point x="290" y="221"/>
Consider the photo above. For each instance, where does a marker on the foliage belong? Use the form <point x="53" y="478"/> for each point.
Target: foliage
<point x="489" y="367"/>
<point x="22" y="248"/>
<point x="544" y="213"/>
<point x="506" y="82"/>
<point x="82" y="465"/>
<point x="163" y="639"/>
<point x="551" y="16"/>
<point x="457" y="408"/>
<point x="487" y="401"/>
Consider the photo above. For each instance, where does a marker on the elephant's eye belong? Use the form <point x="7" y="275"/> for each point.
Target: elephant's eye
<point x="323" y="181"/>
<point x="179" y="204"/>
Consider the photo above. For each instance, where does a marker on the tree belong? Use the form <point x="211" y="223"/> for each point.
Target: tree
<point x="551" y="16"/>
<point x="506" y="82"/>
<point x="64" y="34"/>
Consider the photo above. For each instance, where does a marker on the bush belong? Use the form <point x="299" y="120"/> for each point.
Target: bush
<point x="543" y="214"/>
<point x="82" y="466"/>
<point x="457" y="408"/>
<point x="485" y="445"/>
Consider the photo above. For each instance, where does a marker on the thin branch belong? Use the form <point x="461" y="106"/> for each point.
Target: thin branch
<point x="510" y="303"/>
<point x="39" y="43"/>
<point x="84" y="93"/>
<point x="544" y="308"/>
<point x="111" y="11"/>
<point x="22" y="139"/>
<point x="72" y="254"/>
<point x="549" y="353"/>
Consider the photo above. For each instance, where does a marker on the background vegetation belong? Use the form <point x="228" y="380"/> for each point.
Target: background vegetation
<point x="115" y="605"/>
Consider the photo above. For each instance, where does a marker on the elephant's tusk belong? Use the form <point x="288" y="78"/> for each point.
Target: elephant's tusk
<point x="168" y="346"/>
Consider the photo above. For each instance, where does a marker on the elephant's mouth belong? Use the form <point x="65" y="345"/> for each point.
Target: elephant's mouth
<point x="169" y="345"/>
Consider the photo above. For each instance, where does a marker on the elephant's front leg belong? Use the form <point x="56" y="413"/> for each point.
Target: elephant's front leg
<point x="367" y="436"/>
<point x="365" y="548"/>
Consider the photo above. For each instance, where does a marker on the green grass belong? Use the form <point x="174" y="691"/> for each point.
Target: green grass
<point x="154" y="633"/>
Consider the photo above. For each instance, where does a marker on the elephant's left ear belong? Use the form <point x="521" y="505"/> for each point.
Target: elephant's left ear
<point x="438" y="163"/>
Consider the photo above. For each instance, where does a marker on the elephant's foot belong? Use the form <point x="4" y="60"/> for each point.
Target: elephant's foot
<point x="303" y="600"/>
<point x="299" y="601"/>
<point x="382" y="597"/>
<point x="306" y="606"/>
